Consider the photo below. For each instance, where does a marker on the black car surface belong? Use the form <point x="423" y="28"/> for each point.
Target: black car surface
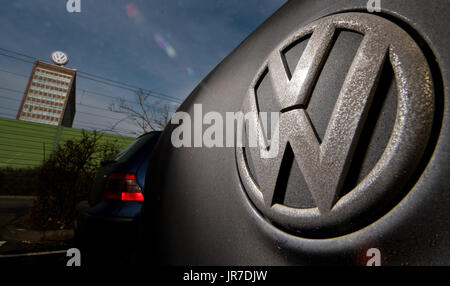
<point x="225" y="209"/>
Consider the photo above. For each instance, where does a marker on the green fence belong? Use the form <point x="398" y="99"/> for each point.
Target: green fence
<point x="27" y="144"/>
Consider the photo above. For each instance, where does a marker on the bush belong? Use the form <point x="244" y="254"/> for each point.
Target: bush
<point x="66" y="178"/>
<point x="18" y="182"/>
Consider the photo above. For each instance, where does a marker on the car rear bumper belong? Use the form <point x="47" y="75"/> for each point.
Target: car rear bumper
<point x="97" y="228"/>
<point x="105" y="240"/>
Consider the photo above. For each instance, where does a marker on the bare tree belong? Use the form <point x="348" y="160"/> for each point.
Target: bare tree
<point x="146" y="116"/>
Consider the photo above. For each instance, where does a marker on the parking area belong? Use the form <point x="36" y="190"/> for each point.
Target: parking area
<point x="20" y="249"/>
<point x="11" y="208"/>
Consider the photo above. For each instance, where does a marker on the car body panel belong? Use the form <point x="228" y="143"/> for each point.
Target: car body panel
<point x="204" y="217"/>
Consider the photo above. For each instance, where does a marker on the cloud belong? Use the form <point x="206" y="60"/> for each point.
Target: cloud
<point x="165" y="46"/>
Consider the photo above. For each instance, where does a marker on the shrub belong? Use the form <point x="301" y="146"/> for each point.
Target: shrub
<point x="18" y="181"/>
<point x="66" y="178"/>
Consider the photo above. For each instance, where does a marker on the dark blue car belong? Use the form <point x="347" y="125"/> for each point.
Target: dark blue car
<point x="109" y="216"/>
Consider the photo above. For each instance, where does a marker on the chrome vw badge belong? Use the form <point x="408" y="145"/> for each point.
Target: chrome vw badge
<point x="325" y="163"/>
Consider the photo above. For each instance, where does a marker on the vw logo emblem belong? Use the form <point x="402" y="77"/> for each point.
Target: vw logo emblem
<point x="59" y="58"/>
<point x="325" y="163"/>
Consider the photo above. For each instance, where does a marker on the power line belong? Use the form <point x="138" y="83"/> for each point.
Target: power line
<point x="3" y="113"/>
<point x="97" y="93"/>
<point x="19" y="54"/>
<point x="129" y="85"/>
<point x="6" y="108"/>
<point x="12" y="90"/>
<point x="109" y="128"/>
<point x="92" y="77"/>
<point x="80" y="89"/>
<point x="16" y="58"/>
<point x="136" y="89"/>
<point x="98" y="115"/>
<point x="106" y="130"/>
<point x="79" y="103"/>
<point x="81" y="112"/>
<point x="110" y="96"/>
<point x="98" y="108"/>
<point x="12" y="99"/>
<point x="17" y="74"/>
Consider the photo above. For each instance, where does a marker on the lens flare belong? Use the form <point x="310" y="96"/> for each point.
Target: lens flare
<point x="132" y="10"/>
<point x="134" y="14"/>
<point x="190" y="71"/>
<point x="164" y="44"/>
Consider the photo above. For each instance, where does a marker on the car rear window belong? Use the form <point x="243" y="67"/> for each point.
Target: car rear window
<point x="133" y="148"/>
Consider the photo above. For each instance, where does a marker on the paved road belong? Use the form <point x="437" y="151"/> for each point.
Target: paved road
<point x="12" y="208"/>
<point x="21" y="252"/>
<point x="16" y="253"/>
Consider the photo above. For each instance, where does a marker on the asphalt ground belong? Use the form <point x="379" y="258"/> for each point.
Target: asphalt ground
<point x="23" y="253"/>
<point x="12" y="208"/>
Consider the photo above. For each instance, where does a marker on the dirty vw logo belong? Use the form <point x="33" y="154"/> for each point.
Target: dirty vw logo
<point x="325" y="163"/>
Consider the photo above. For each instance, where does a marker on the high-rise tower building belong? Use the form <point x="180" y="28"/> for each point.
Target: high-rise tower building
<point x="50" y="94"/>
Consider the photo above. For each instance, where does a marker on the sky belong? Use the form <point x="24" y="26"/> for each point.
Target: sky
<point x="165" y="46"/>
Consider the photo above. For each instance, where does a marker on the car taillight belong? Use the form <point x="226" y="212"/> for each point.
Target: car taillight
<point x="123" y="187"/>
